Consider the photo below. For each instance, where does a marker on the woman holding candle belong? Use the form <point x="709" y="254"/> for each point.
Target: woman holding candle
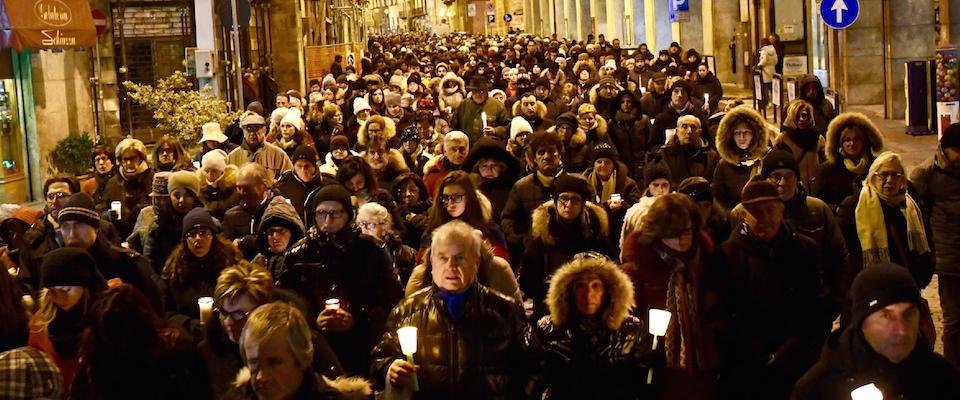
<point x="589" y="346"/>
<point x="666" y="260"/>
<point x="191" y="270"/>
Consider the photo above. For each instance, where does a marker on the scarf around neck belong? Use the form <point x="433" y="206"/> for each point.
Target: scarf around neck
<point x="872" y="229"/>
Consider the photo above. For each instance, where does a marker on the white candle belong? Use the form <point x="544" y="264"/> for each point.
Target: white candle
<point x="483" y="117"/>
<point x="706" y="97"/>
<point x="408" y="339"/>
<point x="116" y="206"/>
<point x="206" y="307"/>
<point x="659" y="320"/>
<point x="332" y="304"/>
<point x="867" y="392"/>
<point x="196" y="164"/>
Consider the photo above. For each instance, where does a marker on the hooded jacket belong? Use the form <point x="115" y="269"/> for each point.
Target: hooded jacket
<point x="578" y="149"/>
<point x="708" y="85"/>
<point x="736" y="165"/>
<point x="806" y="147"/>
<point x="478" y="356"/>
<point x="937" y="182"/>
<point x="222" y="194"/>
<point x="277" y="213"/>
<point x="823" y="111"/>
<point x="291" y="187"/>
<point x="835" y="179"/>
<point x="496" y="190"/>
<point x="554" y="243"/>
<point x="454" y="99"/>
<point x="630" y="133"/>
<point x="601" y="357"/>
<point x="848" y="362"/>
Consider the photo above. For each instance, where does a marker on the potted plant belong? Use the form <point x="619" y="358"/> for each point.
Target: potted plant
<point x="73" y="154"/>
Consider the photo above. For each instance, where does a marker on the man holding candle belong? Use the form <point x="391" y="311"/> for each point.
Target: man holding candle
<point x="468" y="118"/>
<point x="882" y="346"/>
<point x="470" y="336"/>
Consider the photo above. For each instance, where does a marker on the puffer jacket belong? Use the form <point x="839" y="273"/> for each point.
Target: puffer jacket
<point x="629" y="132"/>
<point x="480" y="356"/>
<point x="591" y="358"/>
<point x="736" y="165"/>
<point x="291" y="187"/>
<point x="219" y="196"/>
<point x="937" y="182"/>
<point x="527" y="194"/>
<point x="834" y="180"/>
<point x="349" y="267"/>
<point x="554" y="243"/>
<point x="848" y="362"/>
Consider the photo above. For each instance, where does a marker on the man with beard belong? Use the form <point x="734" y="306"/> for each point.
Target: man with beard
<point x="256" y="150"/>
<point x="469" y="117"/>
<point x="534" y="111"/>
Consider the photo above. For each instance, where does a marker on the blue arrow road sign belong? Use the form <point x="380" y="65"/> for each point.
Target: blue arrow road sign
<point x="839" y="14"/>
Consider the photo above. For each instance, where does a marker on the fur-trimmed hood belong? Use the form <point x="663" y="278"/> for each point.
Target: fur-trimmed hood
<point x="617" y="285"/>
<point x="350" y="387"/>
<point x="579" y="137"/>
<point x="728" y="148"/>
<point x="226" y="183"/>
<point x="593" y="221"/>
<point x="584" y="65"/>
<point x="541" y="109"/>
<point x="450" y="76"/>
<point x="389" y="130"/>
<point x="848" y="119"/>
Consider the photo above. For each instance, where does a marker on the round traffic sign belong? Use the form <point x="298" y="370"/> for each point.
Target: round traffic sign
<point x="507" y="17"/>
<point x="839" y="14"/>
<point x="99" y="21"/>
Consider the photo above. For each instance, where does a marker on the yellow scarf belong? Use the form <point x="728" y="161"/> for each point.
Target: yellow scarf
<point x="607" y="187"/>
<point x="871" y="227"/>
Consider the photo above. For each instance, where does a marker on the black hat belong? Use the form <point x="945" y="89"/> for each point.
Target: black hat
<point x="334" y="192"/>
<point x="200" y="218"/>
<point x="79" y="207"/>
<point x="759" y="191"/>
<point x="951" y="136"/>
<point x="542" y="81"/>
<point x="70" y="266"/>
<point x="478" y="82"/>
<point x="304" y="152"/>
<point x="878" y="286"/>
<point x="488" y="147"/>
<point x="604" y="150"/>
<point x="664" y="52"/>
<point x="683" y="84"/>
<point x="659" y="77"/>
<point x="339" y="142"/>
<point x="314" y="82"/>
<point x="697" y="188"/>
<point x="655" y="170"/>
<point x="410" y="133"/>
<point x="778" y="159"/>
<point x="570" y="183"/>
<point x="567" y="118"/>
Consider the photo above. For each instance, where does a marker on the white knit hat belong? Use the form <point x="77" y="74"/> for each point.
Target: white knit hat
<point x="212" y="131"/>
<point x="292" y="117"/>
<point x="215" y="159"/>
<point x="277" y="115"/>
<point x="517" y="125"/>
<point x="360" y="104"/>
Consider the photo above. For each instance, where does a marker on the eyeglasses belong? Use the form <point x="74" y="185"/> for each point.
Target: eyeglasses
<point x="776" y="177"/>
<point x="330" y="214"/>
<point x="896" y="176"/>
<point x="252" y="128"/>
<point x="370" y="225"/>
<point x="451" y="198"/>
<point x="569" y="200"/>
<point x="198" y="234"/>
<point x="57" y="195"/>
<point x="234" y="315"/>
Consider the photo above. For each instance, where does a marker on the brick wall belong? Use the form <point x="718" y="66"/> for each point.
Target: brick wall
<point x="153" y="21"/>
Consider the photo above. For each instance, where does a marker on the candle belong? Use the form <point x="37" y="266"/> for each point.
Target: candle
<point x="196" y="164"/>
<point x="867" y="392"/>
<point x="332" y="304"/>
<point x="408" y="345"/>
<point x="659" y="320"/>
<point x="206" y="307"/>
<point x="483" y="117"/>
<point x="706" y="98"/>
<point x="115" y="207"/>
<point x="643" y="90"/>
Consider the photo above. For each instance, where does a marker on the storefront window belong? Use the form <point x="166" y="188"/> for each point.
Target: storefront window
<point x="11" y="142"/>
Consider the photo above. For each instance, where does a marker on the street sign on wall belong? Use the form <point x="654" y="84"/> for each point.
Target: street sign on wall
<point x="507" y="17"/>
<point x="839" y="14"/>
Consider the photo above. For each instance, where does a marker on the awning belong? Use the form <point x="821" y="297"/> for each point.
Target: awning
<point x="46" y="24"/>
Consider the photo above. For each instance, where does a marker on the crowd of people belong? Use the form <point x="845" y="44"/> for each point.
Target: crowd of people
<point x="524" y="202"/>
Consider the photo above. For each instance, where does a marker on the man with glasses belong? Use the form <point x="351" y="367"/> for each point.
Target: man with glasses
<point x="766" y="301"/>
<point x="456" y="145"/>
<point x="255" y="149"/>
<point x="346" y="278"/>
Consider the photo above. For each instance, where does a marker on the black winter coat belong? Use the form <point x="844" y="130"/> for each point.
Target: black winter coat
<point x="848" y="362"/>
<point x="291" y="187"/>
<point x="937" y="182"/>
<point x="352" y="268"/>
<point x="479" y="356"/>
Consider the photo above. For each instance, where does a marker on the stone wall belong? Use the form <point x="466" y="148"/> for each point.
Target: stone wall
<point x="62" y="96"/>
<point x="913" y="37"/>
<point x="152" y="21"/>
<point x="864" y="57"/>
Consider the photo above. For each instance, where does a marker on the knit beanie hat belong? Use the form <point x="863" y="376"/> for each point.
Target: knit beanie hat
<point x="568" y="118"/>
<point x="697" y="188"/>
<point x="608" y="81"/>
<point x="570" y="183"/>
<point x="517" y="125"/>
<point x="292" y="117"/>
<point x="184" y="179"/>
<point x="778" y="159"/>
<point x="604" y="150"/>
<point x="398" y="81"/>
<point x="759" y="191"/>
<point x="586" y="108"/>
<point x="304" y="152"/>
<point x="200" y="217"/>
<point x="496" y="91"/>
<point x="277" y="115"/>
<point x="682" y="84"/>
<point x="391" y="99"/>
<point x="334" y="192"/>
<point x="951" y="136"/>
<point x="214" y="160"/>
<point x="160" y="181"/>
<point x="881" y="285"/>
<point x="131" y="143"/>
<point x="339" y="142"/>
<point x="406" y="100"/>
<point x="653" y="171"/>
<point x="360" y="104"/>
<point x="410" y="133"/>
<point x="70" y="266"/>
<point x="80" y="208"/>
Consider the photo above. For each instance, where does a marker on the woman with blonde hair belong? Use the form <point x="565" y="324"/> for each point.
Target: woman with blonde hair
<point x="800" y="137"/>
